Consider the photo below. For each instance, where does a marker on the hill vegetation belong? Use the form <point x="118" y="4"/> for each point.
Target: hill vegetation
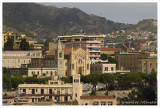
<point x="48" y="21"/>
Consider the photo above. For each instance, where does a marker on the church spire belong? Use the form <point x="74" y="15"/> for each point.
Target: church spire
<point x="59" y="46"/>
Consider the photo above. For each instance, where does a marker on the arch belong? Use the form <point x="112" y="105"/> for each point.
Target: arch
<point x="80" y="70"/>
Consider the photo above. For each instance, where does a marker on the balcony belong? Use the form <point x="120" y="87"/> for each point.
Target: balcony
<point x="109" y="71"/>
<point x="94" y="51"/>
<point x="93" y="46"/>
<point x="94" y="56"/>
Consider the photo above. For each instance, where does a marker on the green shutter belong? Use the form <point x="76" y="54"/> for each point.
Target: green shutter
<point x="111" y="68"/>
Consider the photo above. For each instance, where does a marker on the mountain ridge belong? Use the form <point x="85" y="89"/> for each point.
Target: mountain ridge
<point x="48" y="21"/>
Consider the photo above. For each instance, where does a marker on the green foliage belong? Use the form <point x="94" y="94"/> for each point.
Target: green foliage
<point x="84" y="79"/>
<point x="48" y="99"/>
<point x="109" y="58"/>
<point x="18" y="79"/>
<point x="93" y="93"/>
<point x="107" y="79"/>
<point x="22" y="17"/>
<point x="35" y="80"/>
<point x="74" y="102"/>
<point x="93" y="79"/>
<point x="66" y="79"/>
<point x="6" y="79"/>
<point x="24" y="45"/>
<point x="9" y="44"/>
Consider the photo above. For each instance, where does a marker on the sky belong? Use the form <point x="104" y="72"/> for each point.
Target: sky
<point x="130" y="13"/>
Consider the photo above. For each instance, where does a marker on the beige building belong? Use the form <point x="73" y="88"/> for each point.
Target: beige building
<point x="106" y="68"/>
<point x="129" y="61"/>
<point x="97" y="100"/>
<point x="58" y="92"/>
<point x="70" y="61"/>
<point x="147" y="65"/>
<point x="19" y="59"/>
<point x="42" y="72"/>
<point x="103" y="68"/>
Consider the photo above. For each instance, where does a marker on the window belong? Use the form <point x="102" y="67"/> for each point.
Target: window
<point x="106" y="68"/>
<point x="86" y="103"/>
<point x="110" y="103"/>
<point x="32" y="99"/>
<point x="38" y="73"/>
<point x="50" y="91"/>
<point x="103" y="103"/>
<point x="58" y="91"/>
<point x="50" y="97"/>
<point x="76" y="94"/>
<point x="24" y="90"/>
<point x="60" y="54"/>
<point x="66" y="91"/>
<point x="112" y="68"/>
<point x="71" y="97"/>
<point x="33" y="91"/>
<point x="72" y="66"/>
<point x="42" y="91"/>
<point x="66" y="98"/>
<point x="150" y="64"/>
<point x="88" y="66"/>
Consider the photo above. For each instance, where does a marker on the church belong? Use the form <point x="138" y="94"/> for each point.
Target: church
<point x="70" y="61"/>
<point x="62" y="62"/>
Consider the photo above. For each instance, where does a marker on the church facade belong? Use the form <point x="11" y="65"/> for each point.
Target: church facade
<point x="62" y="62"/>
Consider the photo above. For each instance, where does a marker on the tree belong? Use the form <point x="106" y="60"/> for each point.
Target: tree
<point x="6" y="79"/>
<point x="107" y="57"/>
<point x="24" y="45"/>
<point x="66" y="79"/>
<point x="9" y="44"/>
<point x="107" y="79"/>
<point x="18" y="79"/>
<point x="84" y="79"/>
<point x="93" y="79"/>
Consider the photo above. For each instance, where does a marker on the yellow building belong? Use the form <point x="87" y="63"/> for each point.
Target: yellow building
<point x="5" y="36"/>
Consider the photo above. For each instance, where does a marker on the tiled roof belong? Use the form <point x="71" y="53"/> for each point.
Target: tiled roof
<point x="132" y="51"/>
<point x="8" y="97"/>
<point x="97" y="97"/>
<point x="52" y="52"/>
<point x="66" y="51"/>
<point x="30" y="39"/>
<point x="110" y="49"/>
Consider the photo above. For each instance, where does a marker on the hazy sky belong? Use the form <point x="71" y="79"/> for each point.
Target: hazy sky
<point x="130" y="13"/>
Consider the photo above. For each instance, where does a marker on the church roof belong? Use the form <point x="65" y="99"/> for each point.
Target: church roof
<point x="66" y="51"/>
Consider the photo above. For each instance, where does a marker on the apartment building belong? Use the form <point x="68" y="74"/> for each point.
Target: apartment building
<point x="147" y="65"/>
<point x="56" y="91"/>
<point x="69" y="38"/>
<point x="19" y="59"/>
<point x="129" y="61"/>
<point x="91" y="45"/>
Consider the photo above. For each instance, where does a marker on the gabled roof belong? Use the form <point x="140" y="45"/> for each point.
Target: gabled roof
<point x="67" y="51"/>
<point x="110" y="49"/>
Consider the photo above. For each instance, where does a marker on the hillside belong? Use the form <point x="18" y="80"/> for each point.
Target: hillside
<point x="147" y="25"/>
<point x="47" y="21"/>
<point x="44" y="21"/>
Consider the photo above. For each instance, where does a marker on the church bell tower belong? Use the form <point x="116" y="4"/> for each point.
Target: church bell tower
<point x="60" y="58"/>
